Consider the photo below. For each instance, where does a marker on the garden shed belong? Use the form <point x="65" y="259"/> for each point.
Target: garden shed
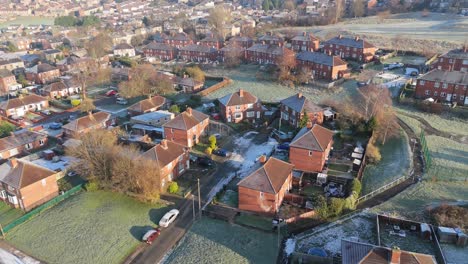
<point x="447" y="235"/>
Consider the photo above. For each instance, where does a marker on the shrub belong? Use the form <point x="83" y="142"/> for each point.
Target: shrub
<point x="356" y="186"/>
<point x="92" y="186"/>
<point x="373" y="153"/>
<point x="321" y="206"/>
<point x="64" y="185"/>
<point x="451" y="215"/>
<point x="75" y="102"/>
<point x="208" y="151"/>
<point x="336" y="206"/>
<point x="173" y="187"/>
<point x="212" y="140"/>
<point x="174" y="109"/>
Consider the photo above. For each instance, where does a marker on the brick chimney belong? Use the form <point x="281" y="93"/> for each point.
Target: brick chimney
<point x="465" y="48"/>
<point x="164" y="143"/>
<point x="13" y="162"/>
<point x="356" y="38"/>
<point x="299" y="95"/>
<point x="241" y="93"/>
<point x="329" y="53"/>
<point x="304" y="33"/>
<point x="309" y="124"/>
<point x="396" y="254"/>
<point x="189" y="111"/>
<point x="340" y="36"/>
<point x="262" y="159"/>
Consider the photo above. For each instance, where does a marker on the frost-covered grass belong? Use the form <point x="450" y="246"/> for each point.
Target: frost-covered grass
<point x="91" y="227"/>
<point x="412" y="202"/>
<point x="414" y="124"/>
<point x="329" y="237"/>
<point x="394" y="164"/>
<point x="215" y="241"/>
<point x="449" y="159"/>
<point x="244" y="78"/>
<point x="443" y="122"/>
<point x="8" y="214"/>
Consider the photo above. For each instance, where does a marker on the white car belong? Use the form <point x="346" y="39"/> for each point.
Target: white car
<point x="168" y="218"/>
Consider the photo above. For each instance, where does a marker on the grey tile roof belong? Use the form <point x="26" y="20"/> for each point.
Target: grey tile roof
<point x="300" y="103"/>
<point x="320" y="58"/>
<point x="198" y="48"/>
<point x="456" y="54"/>
<point x="236" y="99"/>
<point x="350" y="42"/>
<point x="270" y="49"/>
<point x="317" y="138"/>
<point x="158" y="46"/>
<point x="454" y="77"/>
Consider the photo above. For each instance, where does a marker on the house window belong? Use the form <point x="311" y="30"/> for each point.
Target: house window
<point x="450" y="60"/>
<point x="427" y="92"/>
<point x="12" y="199"/>
<point x="237" y="115"/>
<point x="249" y="106"/>
<point x="462" y="97"/>
<point x="286" y="108"/>
<point x="43" y="182"/>
<point x="181" y="167"/>
<point x="435" y="93"/>
<point x="454" y="97"/>
<point x="310" y="153"/>
<point x="443" y="94"/>
<point x="456" y="87"/>
<point x="293" y="112"/>
<point x="41" y="142"/>
<point x="421" y="82"/>
<point x="172" y="130"/>
<point x="238" y="107"/>
<point x="284" y="116"/>
<point x="250" y="114"/>
<point x="3" y="194"/>
<point x="261" y="194"/>
<point x="28" y="146"/>
<point x="444" y="85"/>
<point x="437" y="84"/>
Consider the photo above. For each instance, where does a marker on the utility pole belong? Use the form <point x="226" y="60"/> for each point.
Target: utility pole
<point x="193" y="206"/>
<point x="199" y="197"/>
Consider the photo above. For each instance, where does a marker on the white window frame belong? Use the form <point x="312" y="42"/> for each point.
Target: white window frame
<point x="437" y="84"/>
<point x="443" y="94"/>
<point x="427" y="92"/>
<point x="444" y="86"/>
<point x="28" y="146"/>
<point x="237" y="115"/>
<point x="250" y="114"/>
<point x="422" y="82"/>
<point x="3" y="194"/>
<point x="311" y="153"/>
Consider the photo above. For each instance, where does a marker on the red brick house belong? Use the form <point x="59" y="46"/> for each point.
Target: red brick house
<point x="179" y="40"/>
<point x="454" y="60"/>
<point x="170" y="158"/>
<point x="242" y="41"/>
<point x="61" y="89"/>
<point x="20" y="106"/>
<point x="212" y="41"/>
<point x="187" y="127"/>
<point x="198" y="53"/>
<point x="148" y="105"/>
<point x="263" y="190"/>
<point x="310" y="148"/>
<point x="305" y="42"/>
<point x="322" y="66"/>
<point x="11" y="64"/>
<point x="8" y="82"/>
<point x="42" y="73"/>
<point x="240" y="106"/>
<point x="445" y="86"/>
<point x="25" y="185"/>
<point x="293" y="109"/>
<point x="270" y="39"/>
<point x="21" y="142"/>
<point x="162" y="51"/>
<point x="350" y="48"/>
<point x="267" y="54"/>
<point x="231" y="53"/>
<point x="87" y="123"/>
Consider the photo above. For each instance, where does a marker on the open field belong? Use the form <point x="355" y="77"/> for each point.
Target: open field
<point x="215" y="241"/>
<point x="244" y="78"/>
<point x="29" y="20"/>
<point x="91" y="227"/>
<point x="394" y="164"/>
<point x="8" y="214"/>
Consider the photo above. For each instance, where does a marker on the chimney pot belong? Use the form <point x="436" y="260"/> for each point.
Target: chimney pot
<point x="189" y="110"/>
<point x="164" y="143"/>
<point x="299" y="95"/>
<point x="13" y="162"/>
<point x="340" y="36"/>
<point x="262" y="159"/>
<point x="241" y="92"/>
<point x="357" y="38"/>
<point x="396" y="254"/>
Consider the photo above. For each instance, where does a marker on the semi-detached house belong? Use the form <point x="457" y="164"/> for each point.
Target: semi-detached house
<point x="446" y="86"/>
<point x="240" y="106"/>
<point x="350" y="48"/>
<point x="187" y="127"/>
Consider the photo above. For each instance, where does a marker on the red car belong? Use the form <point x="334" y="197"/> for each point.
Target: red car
<point x="151" y="235"/>
<point x="111" y="93"/>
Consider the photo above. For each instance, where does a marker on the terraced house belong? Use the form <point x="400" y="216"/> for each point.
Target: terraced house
<point x="305" y="42"/>
<point x="240" y="106"/>
<point x="61" y="89"/>
<point x="87" y="123"/>
<point x="11" y="64"/>
<point x="444" y="86"/>
<point x="322" y="66"/>
<point x="148" y="105"/>
<point x="21" y="142"/>
<point x="42" y="73"/>
<point x="187" y="127"/>
<point x="295" y="107"/>
<point x="8" y="82"/>
<point x="18" y="107"/>
<point x="267" y="54"/>
<point x="179" y="40"/>
<point x="26" y="185"/>
<point x="198" y="53"/>
<point x="212" y="41"/>
<point x="454" y="60"/>
<point x="171" y="160"/>
<point x="162" y="51"/>
<point x="350" y="48"/>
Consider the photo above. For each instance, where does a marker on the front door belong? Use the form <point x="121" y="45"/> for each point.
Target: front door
<point x="229" y="118"/>
<point x="258" y="115"/>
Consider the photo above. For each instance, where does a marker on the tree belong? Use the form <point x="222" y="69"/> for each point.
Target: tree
<point x="212" y="140"/>
<point x="373" y="153"/>
<point x="87" y="21"/>
<point x="304" y="120"/>
<point x="372" y="99"/>
<point x="66" y="21"/>
<point x="174" y="109"/>
<point x="196" y="73"/>
<point x="208" y="151"/>
<point x="276" y="3"/>
<point x="99" y="46"/>
<point x="359" y="8"/>
<point x="266" y="5"/>
<point x="87" y="105"/>
<point x="336" y="206"/>
<point x="11" y="47"/>
<point x="387" y="124"/>
<point x="337" y="11"/>
<point x="90" y="75"/>
<point x="146" y="21"/>
<point x="6" y="128"/>
<point x="145" y="81"/>
<point x="383" y="15"/>
<point x="286" y="63"/>
<point x="22" y="80"/>
<point x="218" y="18"/>
<point x="289" y="5"/>
<point x="321" y="206"/>
<point x="173" y="187"/>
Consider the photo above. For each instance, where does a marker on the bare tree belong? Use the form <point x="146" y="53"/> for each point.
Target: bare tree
<point x="145" y="81"/>
<point x="359" y="8"/>
<point x="90" y="75"/>
<point x="99" y="46"/>
<point x="338" y="11"/>
<point x="371" y="100"/>
<point x="286" y="62"/>
<point x="218" y="19"/>
<point x="383" y="15"/>
<point x="387" y="124"/>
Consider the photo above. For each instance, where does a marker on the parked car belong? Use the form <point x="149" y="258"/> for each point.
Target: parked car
<point x="392" y="66"/>
<point x="151" y="235"/>
<point x="46" y="112"/>
<point x="220" y="152"/>
<point x="280" y="135"/>
<point x="193" y="158"/>
<point x="216" y="116"/>
<point x="121" y="101"/>
<point x="168" y="218"/>
<point x="72" y="173"/>
<point x="55" y="126"/>
<point x="71" y="117"/>
<point x="205" y="161"/>
<point x="283" y="146"/>
<point x="111" y="93"/>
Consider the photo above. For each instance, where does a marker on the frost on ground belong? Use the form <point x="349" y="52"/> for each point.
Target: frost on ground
<point x="454" y="254"/>
<point x="358" y="227"/>
<point x="290" y="245"/>
<point x="215" y="241"/>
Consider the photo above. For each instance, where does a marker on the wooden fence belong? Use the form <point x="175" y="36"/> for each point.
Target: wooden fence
<point x="226" y="81"/>
<point x="385" y="187"/>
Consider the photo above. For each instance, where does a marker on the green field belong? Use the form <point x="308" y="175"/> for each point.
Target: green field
<point x="215" y="241"/>
<point x="91" y="227"/>
<point x="8" y="214"/>
<point x="29" y="20"/>
<point x="395" y="163"/>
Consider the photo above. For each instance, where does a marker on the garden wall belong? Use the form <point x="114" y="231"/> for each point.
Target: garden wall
<point x="225" y="81"/>
<point x="299" y="217"/>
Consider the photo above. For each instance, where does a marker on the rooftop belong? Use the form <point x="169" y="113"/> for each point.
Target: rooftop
<point x="454" y="77"/>
<point x="320" y="58"/>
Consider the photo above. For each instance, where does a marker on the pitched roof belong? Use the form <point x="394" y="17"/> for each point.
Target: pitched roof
<point x="158" y="46"/>
<point x="300" y="103"/>
<point x="454" y="77"/>
<point x="23" y="174"/>
<point x="306" y="36"/>
<point x="317" y="138"/>
<point x="269" y="178"/>
<point x="163" y="156"/>
<point x="9" y="61"/>
<point x="350" y="42"/>
<point x="84" y="122"/>
<point x="320" y="58"/>
<point x="19" y="139"/>
<point x="43" y="67"/>
<point x="456" y="54"/>
<point x="198" y="48"/>
<point x="270" y="49"/>
<point x="185" y="121"/>
<point x="182" y="36"/>
<point x="5" y="73"/>
<point x="189" y="81"/>
<point x="55" y="86"/>
<point x="237" y="99"/>
<point x="123" y="45"/>
<point x="147" y="104"/>
<point x="19" y="102"/>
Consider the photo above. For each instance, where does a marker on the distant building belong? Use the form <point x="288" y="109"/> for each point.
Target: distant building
<point x="18" y="107"/>
<point x="124" y="50"/>
<point x="11" y="64"/>
<point x="162" y="51"/>
<point x="198" y="53"/>
<point x="61" y="89"/>
<point x="148" y="105"/>
<point x="322" y="66"/>
<point x="305" y="42"/>
<point x="270" y="39"/>
<point x="350" y="48"/>
<point x="21" y="142"/>
<point x="42" y="73"/>
<point x="268" y="54"/>
<point x="454" y="60"/>
<point x="446" y="86"/>
<point x="151" y="122"/>
<point x="8" y="82"/>
<point x="87" y="123"/>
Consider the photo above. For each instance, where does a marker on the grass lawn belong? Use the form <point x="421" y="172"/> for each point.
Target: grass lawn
<point x="230" y="198"/>
<point x="255" y="221"/>
<point x="215" y="241"/>
<point x="91" y="227"/>
<point x="339" y="167"/>
<point x="394" y="164"/>
<point x="8" y="214"/>
<point x="312" y="190"/>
